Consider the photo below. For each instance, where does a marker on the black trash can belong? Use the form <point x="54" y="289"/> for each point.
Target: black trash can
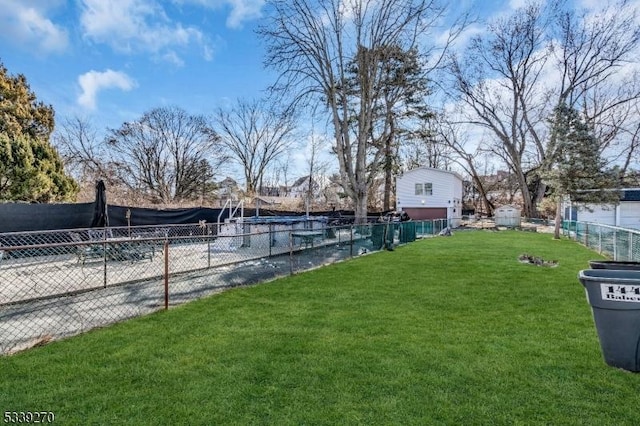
<point x="614" y="296"/>
<point x="614" y="264"/>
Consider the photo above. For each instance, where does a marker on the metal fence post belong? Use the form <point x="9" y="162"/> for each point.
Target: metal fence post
<point x="586" y="235"/>
<point x="104" y="263"/>
<point x="209" y="250"/>
<point x="599" y="240"/>
<point x="290" y="252"/>
<point x="166" y="275"/>
<point x="615" y="244"/>
<point x="630" y="245"/>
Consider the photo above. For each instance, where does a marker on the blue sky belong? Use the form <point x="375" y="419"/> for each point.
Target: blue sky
<point x="111" y="61"/>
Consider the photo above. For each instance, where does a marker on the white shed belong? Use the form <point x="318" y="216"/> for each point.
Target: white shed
<point x="508" y="216"/>
<point x="426" y="193"/>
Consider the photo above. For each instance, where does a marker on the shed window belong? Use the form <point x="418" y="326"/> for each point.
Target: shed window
<point x="424" y="188"/>
<point x="428" y="189"/>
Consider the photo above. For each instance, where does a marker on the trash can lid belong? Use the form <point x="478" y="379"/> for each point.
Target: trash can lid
<point x="614" y="264"/>
<point x="610" y="275"/>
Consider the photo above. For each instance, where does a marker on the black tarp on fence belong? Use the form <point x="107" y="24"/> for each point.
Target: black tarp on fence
<point x="145" y="216"/>
<point x="134" y="216"/>
<point x="17" y="217"/>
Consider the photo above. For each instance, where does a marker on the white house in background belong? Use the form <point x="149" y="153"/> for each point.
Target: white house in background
<point x="626" y="214"/>
<point x="428" y="193"/>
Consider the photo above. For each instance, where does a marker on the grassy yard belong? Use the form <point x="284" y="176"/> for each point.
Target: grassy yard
<point x="442" y="331"/>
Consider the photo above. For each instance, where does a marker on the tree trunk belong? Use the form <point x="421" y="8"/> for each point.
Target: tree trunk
<point x="388" y="175"/>
<point x="539" y="195"/>
<point x="360" y="205"/>
<point x="558" y="224"/>
<point x="528" y="208"/>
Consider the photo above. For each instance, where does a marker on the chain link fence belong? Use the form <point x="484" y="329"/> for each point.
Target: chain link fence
<point x="55" y="284"/>
<point x="619" y="244"/>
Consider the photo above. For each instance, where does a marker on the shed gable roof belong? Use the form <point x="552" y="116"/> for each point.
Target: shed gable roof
<point x="429" y="169"/>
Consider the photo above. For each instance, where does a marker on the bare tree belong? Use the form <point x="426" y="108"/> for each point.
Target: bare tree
<point x="79" y="144"/>
<point x="507" y="87"/>
<point x="498" y="82"/>
<point x="596" y="55"/>
<point x="592" y="47"/>
<point x="613" y="109"/>
<point x="316" y="167"/>
<point x="632" y="155"/>
<point x="256" y="135"/>
<point x="168" y="155"/>
<point x="87" y="157"/>
<point x="425" y="146"/>
<point x="453" y="139"/>
<point x="313" y="44"/>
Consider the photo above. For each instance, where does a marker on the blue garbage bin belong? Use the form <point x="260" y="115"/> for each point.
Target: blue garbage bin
<point x="614" y="296"/>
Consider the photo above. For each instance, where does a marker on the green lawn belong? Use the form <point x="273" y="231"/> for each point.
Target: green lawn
<point x="441" y="331"/>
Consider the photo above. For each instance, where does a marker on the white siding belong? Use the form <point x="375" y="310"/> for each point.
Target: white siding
<point x="447" y="187"/>
<point x="603" y="214"/>
<point x="625" y="215"/>
<point x="630" y="214"/>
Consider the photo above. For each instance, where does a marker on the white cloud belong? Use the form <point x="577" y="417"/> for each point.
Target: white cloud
<point x="173" y="58"/>
<point x="93" y="82"/>
<point x="241" y="10"/>
<point x="207" y="53"/>
<point x="461" y="41"/>
<point x="589" y="4"/>
<point x="517" y="4"/>
<point x="25" y="23"/>
<point x="133" y="26"/>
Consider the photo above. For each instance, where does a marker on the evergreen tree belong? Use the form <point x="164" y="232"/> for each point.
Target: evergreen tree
<point x="575" y="168"/>
<point x="398" y="95"/>
<point x="30" y="168"/>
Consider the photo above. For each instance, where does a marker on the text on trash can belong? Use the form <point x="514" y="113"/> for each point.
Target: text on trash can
<point x="622" y="293"/>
